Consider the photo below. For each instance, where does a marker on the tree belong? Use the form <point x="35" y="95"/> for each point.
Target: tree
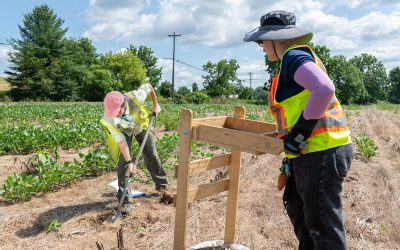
<point x="323" y="53"/>
<point x="242" y="92"/>
<point x="97" y="83"/>
<point x="221" y="78"/>
<point x="127" y="71"/>
<point x="165" y="89"/>
<point x="348" y="81"/>
<point x="394" y="92"/>
<point x="75" y="65"/>
<point x="184" y="91"/>
<point x="260" y="95"/>
<point x="374" y="76"/>
<point x="195" y="87"/>
<point x="36" y="56"/>
<point x="150" y="61"/>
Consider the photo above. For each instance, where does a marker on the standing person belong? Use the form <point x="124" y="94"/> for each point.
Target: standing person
<point x="125" y="117"/>
<point x="313" y="127"/>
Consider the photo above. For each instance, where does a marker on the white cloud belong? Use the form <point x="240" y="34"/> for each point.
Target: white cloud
<point x="4" y="49"/>
<point x="368" y="3"/>
<point x="183" y="75"/>
<point x="259" y="76"/>
<point x="221" y="24"/>
<point x="340" y="33"/>
<point x="388" y="52"/>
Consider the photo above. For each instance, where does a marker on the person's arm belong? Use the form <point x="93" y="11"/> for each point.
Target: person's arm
<point x="153" y="98"/>
<point x="313" y="78"/>
<point x="124" y="148"/>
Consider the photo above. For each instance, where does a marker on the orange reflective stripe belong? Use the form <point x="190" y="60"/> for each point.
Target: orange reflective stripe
<point x="276" y="110"/>
<point x="329" y="129"/>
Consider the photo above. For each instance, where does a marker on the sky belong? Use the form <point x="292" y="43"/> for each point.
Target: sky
<point x="212" y="30"/>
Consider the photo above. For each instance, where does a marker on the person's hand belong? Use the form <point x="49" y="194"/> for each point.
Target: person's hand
<point x="157" y="109"/>
<point x="295" y="142"/>
<point x="132" y="168"/>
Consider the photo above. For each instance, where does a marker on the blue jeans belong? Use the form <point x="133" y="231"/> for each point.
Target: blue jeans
<point x="313" y="197"/>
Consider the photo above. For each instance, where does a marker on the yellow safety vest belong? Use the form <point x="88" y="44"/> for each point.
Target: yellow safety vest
<point x="141" y="115"/>
<point x="331" y="130"/>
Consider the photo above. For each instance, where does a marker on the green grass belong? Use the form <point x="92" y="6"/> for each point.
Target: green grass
<point x="381" y="105"/>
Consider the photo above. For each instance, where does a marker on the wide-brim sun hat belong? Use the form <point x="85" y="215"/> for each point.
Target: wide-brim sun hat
<point x="112" y="103"/>
<point x="278" y="25"/>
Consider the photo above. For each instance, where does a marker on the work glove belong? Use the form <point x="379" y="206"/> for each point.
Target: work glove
<point x="295" y="141"/>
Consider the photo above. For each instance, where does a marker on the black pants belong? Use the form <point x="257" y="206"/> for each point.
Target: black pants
<point x="313" y="196"/>
<point x="151" y="159"/>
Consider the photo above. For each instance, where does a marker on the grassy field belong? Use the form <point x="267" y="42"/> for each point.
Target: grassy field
<point x="4" y="85"/>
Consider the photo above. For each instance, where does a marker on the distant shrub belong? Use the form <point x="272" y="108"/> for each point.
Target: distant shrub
<point x="198" y="97"/>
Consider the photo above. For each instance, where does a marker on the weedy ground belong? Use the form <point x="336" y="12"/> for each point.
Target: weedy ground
<point x="371" y="203"/>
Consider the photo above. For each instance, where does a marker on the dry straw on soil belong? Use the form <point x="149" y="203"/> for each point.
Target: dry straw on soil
<point x="371" y="205"/>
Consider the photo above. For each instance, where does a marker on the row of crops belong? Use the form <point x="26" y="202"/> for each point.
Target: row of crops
<point x="42" y="128"/>
<point x="27" y="127"/>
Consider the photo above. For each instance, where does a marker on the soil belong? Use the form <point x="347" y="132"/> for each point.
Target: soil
<point x="371" y="204"/>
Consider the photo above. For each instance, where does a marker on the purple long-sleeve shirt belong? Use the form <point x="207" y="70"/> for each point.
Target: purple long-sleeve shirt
<point x="311" y="77"/>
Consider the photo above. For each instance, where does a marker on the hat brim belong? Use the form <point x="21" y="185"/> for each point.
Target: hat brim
<point x="112" y="112"/>
<point x="278" y="33"/>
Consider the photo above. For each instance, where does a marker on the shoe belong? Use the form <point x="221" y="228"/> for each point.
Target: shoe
<point x="161" y="188"/>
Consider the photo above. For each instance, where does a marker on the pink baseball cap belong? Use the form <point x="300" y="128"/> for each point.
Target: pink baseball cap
<point x="112" y="103"/>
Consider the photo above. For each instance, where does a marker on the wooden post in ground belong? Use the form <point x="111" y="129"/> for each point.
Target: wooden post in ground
<point x="185" y="142"/>
<point x="233" y="191"/>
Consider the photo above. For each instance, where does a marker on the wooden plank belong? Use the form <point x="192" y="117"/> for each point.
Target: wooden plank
<point x="199" y="166"/>
<point x="208" y="190"/>
<point x="185" y="142"/>
<point x="194" y="132"/>
<point x="240" y="140"/>
<point x="233" y="192"/>
<point x="218" y="121"/>
<point x="251" y="126"/>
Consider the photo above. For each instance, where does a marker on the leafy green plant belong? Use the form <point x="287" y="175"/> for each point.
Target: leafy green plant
<point x="366" y="146"/>
<point x="139" y="229"/>
<point x="53" y="225"/>
<point x="51" y="175"/>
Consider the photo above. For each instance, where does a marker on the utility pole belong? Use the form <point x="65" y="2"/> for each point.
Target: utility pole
<point x="173" y="63"/>
<point x="250" y="73"/>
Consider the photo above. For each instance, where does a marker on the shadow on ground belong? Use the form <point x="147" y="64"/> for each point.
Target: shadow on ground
<point x="62" y="214"/>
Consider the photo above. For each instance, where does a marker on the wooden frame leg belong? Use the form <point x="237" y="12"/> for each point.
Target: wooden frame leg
<point x="233" y="191"/>
<point x="185" y="142"/>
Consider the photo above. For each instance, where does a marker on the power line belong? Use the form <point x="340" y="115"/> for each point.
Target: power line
<point x="71" y="52"/>
<point x="189" y="65"/>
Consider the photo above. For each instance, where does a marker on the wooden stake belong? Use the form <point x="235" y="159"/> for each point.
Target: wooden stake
<point x="185" y="142"/>
<point x="233" y="191"/>
<point x="120" y="239"/>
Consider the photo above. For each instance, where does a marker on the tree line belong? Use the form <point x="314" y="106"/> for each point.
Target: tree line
<point x="46" y="65"/>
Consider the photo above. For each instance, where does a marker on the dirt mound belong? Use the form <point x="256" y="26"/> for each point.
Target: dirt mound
<point x="371" y="205"/>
